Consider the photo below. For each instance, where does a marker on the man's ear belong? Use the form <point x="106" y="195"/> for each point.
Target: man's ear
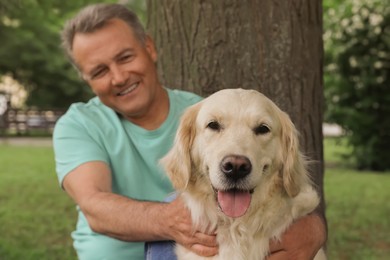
<point x="151" y="48"/>
<point x="178" y="161"/>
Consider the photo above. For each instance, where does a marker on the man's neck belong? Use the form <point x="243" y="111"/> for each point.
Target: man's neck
<point x="156" y="114"/>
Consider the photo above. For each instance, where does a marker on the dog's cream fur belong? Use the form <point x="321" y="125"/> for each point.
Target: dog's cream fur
<point x="279" y="182"/>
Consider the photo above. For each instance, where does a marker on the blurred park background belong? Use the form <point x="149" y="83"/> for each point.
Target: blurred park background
<point x="37" y="84"/>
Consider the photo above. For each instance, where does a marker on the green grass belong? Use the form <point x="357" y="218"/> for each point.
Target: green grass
<point x="336" y="153"/>
<point x="358" y="208"/>
<point x="37" y="217"/>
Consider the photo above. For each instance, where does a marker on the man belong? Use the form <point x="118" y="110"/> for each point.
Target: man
<point x="107" y="150"/>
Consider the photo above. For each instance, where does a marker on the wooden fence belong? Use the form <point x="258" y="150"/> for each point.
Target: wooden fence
<point x="26" y="122"/>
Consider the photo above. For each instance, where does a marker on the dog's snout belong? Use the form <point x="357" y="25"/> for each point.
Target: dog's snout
<point x="236" y="166"/>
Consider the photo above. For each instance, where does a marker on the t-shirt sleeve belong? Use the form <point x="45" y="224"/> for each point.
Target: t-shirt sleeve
<point x="75" y="143"/>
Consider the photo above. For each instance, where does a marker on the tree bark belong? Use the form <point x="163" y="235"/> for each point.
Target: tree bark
<point x="271" y="46"/>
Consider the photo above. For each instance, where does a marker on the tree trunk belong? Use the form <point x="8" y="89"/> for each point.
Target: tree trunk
<point x="271" y="46"/>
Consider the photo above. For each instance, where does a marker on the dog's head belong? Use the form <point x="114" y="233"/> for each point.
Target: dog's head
<point x="230" y="143"/>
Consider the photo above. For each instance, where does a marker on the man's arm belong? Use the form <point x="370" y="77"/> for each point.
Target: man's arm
<point x="126" y="219"/>
<point x="303" y="239"/>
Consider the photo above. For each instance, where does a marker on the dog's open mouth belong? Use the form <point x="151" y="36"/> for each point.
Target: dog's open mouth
<point x="234" y="203"/>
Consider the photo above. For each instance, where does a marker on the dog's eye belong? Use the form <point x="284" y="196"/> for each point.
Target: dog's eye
<point x="261" y="129"/>
<point x="214" y="125"/>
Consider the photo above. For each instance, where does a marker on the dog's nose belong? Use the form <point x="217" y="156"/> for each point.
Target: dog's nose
<point x="236" y="166"/>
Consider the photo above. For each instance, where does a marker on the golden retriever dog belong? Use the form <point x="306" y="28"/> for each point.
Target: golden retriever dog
<point x="237" y="165"/>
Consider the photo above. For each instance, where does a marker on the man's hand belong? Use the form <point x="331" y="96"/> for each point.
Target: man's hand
<point x="182" y="231"/>
<point x="301" y="241"/>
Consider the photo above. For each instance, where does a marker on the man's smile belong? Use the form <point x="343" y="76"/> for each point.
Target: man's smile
<point x="129" y="89"/>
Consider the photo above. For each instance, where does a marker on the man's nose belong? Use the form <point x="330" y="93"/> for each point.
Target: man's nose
<point x="118" y="75"/>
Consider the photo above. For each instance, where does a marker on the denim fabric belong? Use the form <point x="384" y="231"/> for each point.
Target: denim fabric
<point x="163" y="250"/>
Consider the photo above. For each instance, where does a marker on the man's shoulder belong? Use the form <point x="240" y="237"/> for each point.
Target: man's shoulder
<point x="92" y="105"/>
<point x="184" y="97"/>
<point x="93" y="110"/>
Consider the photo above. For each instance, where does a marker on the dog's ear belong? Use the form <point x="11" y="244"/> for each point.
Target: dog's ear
<point x="178" y="161"/>
<point x="293" y="170"/>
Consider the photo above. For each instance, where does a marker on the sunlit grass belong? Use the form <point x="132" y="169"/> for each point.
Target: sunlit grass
<point x="36" y="217"/>
<point x="358" y="208"/>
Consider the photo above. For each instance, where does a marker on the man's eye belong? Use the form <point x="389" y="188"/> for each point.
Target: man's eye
<point x="125" y="58"/>
<point x="98" y="73"/>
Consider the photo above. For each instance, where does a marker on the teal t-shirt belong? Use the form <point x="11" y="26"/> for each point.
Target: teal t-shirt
<point x="94" y="132"/>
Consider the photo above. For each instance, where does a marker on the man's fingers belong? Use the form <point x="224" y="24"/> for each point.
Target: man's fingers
<point x="206" y="239"/>
<point x="278" y="255"/>
<point x="275" y="246"/>
<point x="203" y="244"/>
<point x="203" y="250"/>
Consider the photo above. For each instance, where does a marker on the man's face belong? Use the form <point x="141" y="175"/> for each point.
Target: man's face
<point x="119" y="68"/>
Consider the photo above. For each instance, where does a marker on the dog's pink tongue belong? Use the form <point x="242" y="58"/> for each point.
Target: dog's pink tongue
<point x="234" y="203"/>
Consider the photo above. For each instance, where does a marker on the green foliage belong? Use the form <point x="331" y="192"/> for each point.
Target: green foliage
<point x="337" y="152"/>
<point x="357" y="79"/>
<point x="31" y="53"/>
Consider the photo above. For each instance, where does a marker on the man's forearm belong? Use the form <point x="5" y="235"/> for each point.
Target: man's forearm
<point x="124" y="218"/>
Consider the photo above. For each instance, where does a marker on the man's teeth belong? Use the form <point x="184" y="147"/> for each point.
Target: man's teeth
<point x="128" y="90"/>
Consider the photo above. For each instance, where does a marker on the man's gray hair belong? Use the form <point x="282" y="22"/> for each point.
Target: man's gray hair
<point x="94" y="17"/>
